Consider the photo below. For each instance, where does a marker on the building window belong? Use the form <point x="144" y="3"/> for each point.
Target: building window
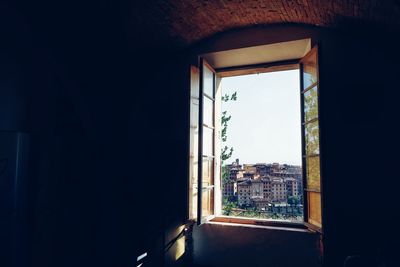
<point x="206" y="184"/>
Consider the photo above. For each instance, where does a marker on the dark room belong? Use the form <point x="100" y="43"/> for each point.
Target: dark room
<point x="199" y="133"/>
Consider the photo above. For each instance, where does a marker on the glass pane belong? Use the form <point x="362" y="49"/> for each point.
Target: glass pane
<point x="193" y="188"/>
<point x="312" y="138"/>
<point x="208" y="141"/>
<point x="208" y="114"/>
<point x="314" y="208"/>
<point x="311" y="104"/>
<point x="194" y="127"/>
<point x="313" y="173"/>
<point x="194" y="202"/>
<point x="207" y="202"/>
<point x="208" y="171"/>
<point x="194" y="172"/>
<point x="310" y="70"/>
<point x="194" y="112"/>
<point x="194" y="82"/>
<point x="208" y="82"/>
<point x="194" y="143"/>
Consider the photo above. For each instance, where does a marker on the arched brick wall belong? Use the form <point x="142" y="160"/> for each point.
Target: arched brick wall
<point x="185" y="22"/>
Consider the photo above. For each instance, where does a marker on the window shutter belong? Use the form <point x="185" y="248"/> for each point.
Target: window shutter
<point x="206" y="150"/>
<point x="309" y="84"/>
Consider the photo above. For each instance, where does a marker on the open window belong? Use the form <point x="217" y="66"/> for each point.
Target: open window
<point x="309" y="84"/>
<point x="205" y="190"/>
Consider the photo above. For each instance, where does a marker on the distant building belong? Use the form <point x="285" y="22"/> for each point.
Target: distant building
<point x="267" y="189"/>
<point x="248" y="175"/>
<point x="259" y="185"/>
<point x="244" y="193"/>
<point x="263" y="169"/>
<point x="260" y="203"/>
<point x="276" y="167"/>
<point x="257" y="189"/>
<point x="229" y="189"/>
<point x="278" y="190"/>
<point x="292" y="187"/>
<point x="249" y="168"/>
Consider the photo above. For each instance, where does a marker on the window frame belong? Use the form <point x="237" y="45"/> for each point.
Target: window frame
<point x="264" y="68"/>
<point x="305" y="156"/>
<point x="210" y="188"/>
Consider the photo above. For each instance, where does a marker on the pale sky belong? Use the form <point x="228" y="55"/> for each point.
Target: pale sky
<point x="265" y="123"/>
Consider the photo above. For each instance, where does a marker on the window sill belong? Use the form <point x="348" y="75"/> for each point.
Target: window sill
<point x="261" y="223"/>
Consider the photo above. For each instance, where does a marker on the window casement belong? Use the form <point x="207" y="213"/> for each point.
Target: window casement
<point x="205" y="145"/>
<point x="309" y="85"/>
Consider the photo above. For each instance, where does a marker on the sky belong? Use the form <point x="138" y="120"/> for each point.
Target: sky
<point x="265" y="122"/>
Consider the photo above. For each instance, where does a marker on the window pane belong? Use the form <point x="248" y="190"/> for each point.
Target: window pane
<point x="194" y="201"/>
<point x="208" y="171"/>
<point x="208" y="82"/>
<point x="313" y="173"/>
<point x="208" y="114"/>
<point x="194" y="112"/>
<point x="310" y="70"/>
<point x="207" y="202"/>
<point x="194" y="127"/>
<point x="208" y="141"/>
<point x="311" y="104"/>
<point x="314" y="208"/>
<point x="194" y="82"/>
<point x="312" y="138"/>
<point x="194" y="142"/>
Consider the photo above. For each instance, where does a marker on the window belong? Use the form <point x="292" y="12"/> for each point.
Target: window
<point x="205" y="190"/>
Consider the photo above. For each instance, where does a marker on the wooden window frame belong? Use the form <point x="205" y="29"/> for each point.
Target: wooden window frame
<point x="211" y="188"/>
<point x="255" y="69"/>
<point x="304" y="152"/>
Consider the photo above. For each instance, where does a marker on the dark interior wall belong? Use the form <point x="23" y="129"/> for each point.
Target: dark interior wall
<point x="107" y="138"/>
<point x="359" y="143"/>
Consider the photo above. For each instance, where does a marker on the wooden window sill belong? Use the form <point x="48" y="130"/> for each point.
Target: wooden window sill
<point x="260" y="223"/>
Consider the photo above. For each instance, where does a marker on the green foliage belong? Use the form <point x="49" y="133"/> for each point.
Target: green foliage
<point x="228" y="206"/>
<point x="293" y="200"/>
<point x="226" y="97"/>
<point x="311" y="112"/>
<point x="226" y="152"/>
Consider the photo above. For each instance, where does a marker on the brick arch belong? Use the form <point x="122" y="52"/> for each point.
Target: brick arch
<point x="188" y="21"/>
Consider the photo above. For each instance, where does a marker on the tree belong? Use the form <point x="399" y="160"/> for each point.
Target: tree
<point x="228" y="206"/>
<point x="293" y="200"/>
<point x="226" y="152"/>
<point x="311" y="112"/>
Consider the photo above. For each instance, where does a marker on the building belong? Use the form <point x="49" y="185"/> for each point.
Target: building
<point x="292" y="187"/>
<point x="229" y="189"/>
<point x="244" y="193"/>
<point x="267" y="188"/>
<point x="249" y="168"/>
<point x="257" y="188"/>
<point x="278" y="190"/>
<point x="260" y="203"/>
<point x="263" y="169"/>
